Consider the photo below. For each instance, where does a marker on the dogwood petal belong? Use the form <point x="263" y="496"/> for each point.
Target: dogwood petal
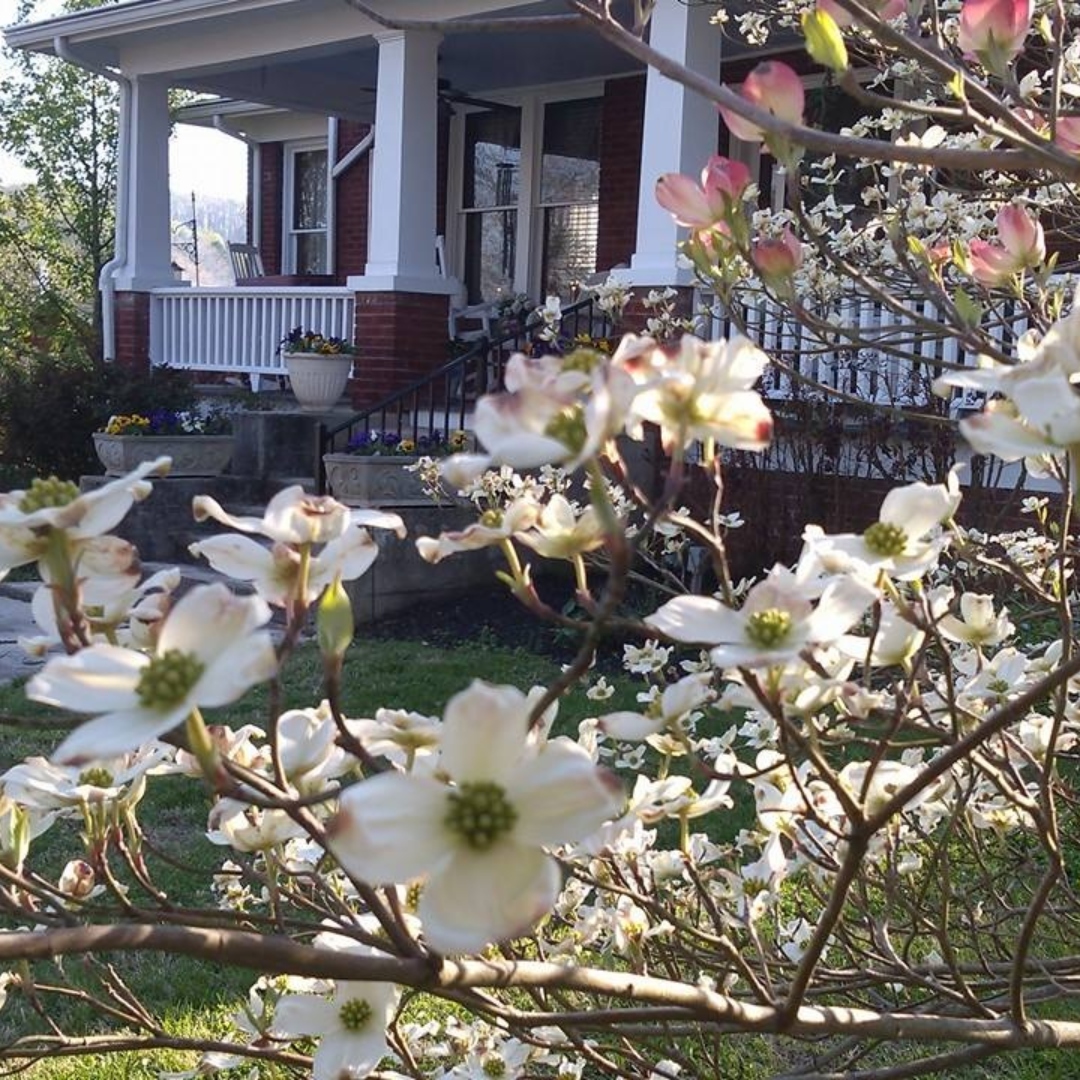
<point x="630" y="726"/>
<point x="841" y="605"/>
<point x="379" y="519"/>
<point x="478" y="898"/>
<point x="239" y="557"/>
<point x="305" y="1014"/>
<point x="102" y="677"/>
<point x="917" y="508"/>
<point x="116" y="733"/>
<point x="100" y="511"/>
<point x="350" y="555"/>
<point x="347" y="1055"/>
<point x="209" y="619"/>
<point x="484" y="732"/>
<point x="697" y="619"/>
<point x="560" y="795"/>
<point x="389" y="829"/>
<point x="246" y="662"/>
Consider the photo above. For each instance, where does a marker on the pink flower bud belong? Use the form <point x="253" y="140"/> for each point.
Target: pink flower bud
<point x="990" y="264"/>
<point x="779" y="258"/>
<point x="700" y="206"/>
<point x="1021" y="235"/>
<point x="774" y="86"/>
<point x="1067" y="134"/>
<point x="77" y="879"/>
<point x="994" y="30"/>
<point x="725" y="177"/>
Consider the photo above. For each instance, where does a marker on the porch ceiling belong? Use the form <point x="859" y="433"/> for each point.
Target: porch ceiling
<point x="317" y="55"/>
<point x="340" y="78"/>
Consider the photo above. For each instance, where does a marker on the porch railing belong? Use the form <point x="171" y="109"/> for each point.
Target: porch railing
<point x="874" y="354"/>
<point x="237" y="330"/>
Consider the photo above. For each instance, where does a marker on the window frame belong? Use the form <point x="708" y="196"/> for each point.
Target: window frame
<point x="530" y="212"/>
<point x="289" y="234"/>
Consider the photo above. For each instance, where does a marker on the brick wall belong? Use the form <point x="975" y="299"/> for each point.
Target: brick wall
<point x="620" y="169"/>
<point x="777" y="506"/>
<point x="353" y="186"/>
<point x="400" y="337"/>
<point x="271" y="178"/>
<point x="133" y="329"/>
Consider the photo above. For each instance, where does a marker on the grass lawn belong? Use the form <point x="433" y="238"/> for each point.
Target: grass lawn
<point x="194" y="999"/>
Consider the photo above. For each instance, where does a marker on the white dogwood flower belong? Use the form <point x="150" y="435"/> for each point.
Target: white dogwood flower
<point x="703" y="391"/>
<point x="775" y="624"/>
<point x="294" y="521"/>
<point x="210" y="651"/>
<point x="479" y="836"/>
<point x="351" y="1027"/>
<point x="901" y="541"/>
<point x="30" y="519"/>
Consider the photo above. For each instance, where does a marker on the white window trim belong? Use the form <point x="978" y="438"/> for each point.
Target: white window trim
<point x="288" y="234"/>
<point x="529" y="253"/>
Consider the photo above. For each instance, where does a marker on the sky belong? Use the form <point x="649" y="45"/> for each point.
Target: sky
<point x="200" y="159"/>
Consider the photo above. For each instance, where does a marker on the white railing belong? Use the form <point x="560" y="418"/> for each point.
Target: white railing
<point x="238" y="330"/>
<point x="860" y="358"/>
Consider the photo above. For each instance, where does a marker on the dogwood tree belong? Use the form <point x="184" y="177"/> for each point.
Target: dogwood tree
<point x="897" y="898"/>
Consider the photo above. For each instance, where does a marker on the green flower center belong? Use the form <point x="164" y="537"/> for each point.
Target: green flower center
<point x="96" y="777"/>
<point x="568" y="427"/>
<point x="48" y="491"/>
<point x="355" y="1014"/>
<point x="768" y="628"/>
<point x="885" y="539"/>
<point x="494" y="1065"/>
<point x="166" y="680"/>
<point x="491" y="519"/>
<point x="480" y="813"/>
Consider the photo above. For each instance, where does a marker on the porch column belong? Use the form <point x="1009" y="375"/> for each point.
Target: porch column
<point x="402" y="300"/>
<point x="401" y="245"/>
<point x="148" y="261"/>
<point x="680" y="132"/>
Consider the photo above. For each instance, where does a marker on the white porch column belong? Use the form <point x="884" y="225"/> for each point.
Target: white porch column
<point x="401" y="239"/>
<point x="148" y="264"/>
<point x="680" y="133"/>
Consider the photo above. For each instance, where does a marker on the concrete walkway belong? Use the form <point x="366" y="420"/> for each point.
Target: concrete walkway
<point x="15" y="623"/>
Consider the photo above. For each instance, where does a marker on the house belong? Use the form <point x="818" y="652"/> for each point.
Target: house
<point x="393" y="172"/>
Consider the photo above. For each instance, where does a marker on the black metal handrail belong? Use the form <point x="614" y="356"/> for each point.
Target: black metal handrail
<point x="440" y="402"/>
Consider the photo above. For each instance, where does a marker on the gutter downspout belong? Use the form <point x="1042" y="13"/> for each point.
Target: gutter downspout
<point x="255" y="167"/>
<point x="338" y="169"/>
<point x="106" y="283"/>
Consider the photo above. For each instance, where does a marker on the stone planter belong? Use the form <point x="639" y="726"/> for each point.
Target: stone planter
<point x="318" y="381"/>
<point x="192" y="455"/>
<point x="374" y="481"/>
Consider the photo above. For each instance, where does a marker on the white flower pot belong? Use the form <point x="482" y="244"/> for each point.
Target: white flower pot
<point x="318" y="381"/>
<point x="192" y="455"/>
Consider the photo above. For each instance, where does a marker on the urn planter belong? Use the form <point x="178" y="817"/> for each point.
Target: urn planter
<point x="317" y="380"/>
<point x="192" y="455"/>
<point x="374" y="480"/>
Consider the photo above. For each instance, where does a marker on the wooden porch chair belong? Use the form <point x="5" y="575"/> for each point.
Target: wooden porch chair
<point x="246" y="261"/>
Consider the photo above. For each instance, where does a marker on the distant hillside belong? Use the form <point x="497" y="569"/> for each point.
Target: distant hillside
<point x="220" y="220"/>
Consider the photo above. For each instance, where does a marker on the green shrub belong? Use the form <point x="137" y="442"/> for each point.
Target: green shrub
<point x="50" y="405"/>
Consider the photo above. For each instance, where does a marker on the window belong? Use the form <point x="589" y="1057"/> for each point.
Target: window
<point x="569" y="193"/>
<point x="305" y="213"/>
<point x="490" y="201"/>
<point x="529" y="196"/>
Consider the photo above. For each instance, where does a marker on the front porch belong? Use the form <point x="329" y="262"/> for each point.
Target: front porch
<point x="237" y="331"/>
